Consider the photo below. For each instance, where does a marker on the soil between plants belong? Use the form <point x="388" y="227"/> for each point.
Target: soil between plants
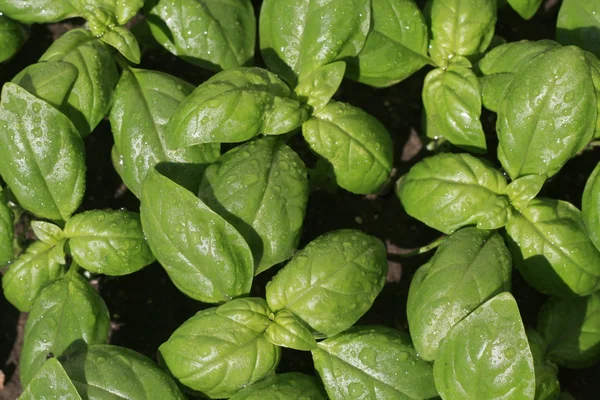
<point x="146" y="307"/>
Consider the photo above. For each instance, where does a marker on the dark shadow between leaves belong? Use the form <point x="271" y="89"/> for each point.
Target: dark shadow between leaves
<point x="187" y="175"/>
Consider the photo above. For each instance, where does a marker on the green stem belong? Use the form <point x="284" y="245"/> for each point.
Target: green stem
<point x="431" y="246"/>
<point x="73" y="269"/>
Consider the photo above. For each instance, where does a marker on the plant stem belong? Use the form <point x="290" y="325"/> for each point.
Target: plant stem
<point x="431" y="246"/>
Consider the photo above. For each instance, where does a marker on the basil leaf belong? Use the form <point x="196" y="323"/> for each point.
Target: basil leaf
<point x="525" y="8"/>
<point x="12" y="37"/>
<point x="373" y="362"/>
<point x="509" y="57"/>
<point x="493" y="88"/>
<point x="47" y="232"/>
<point x="123" y="40"/>
<point x="29" y="274"/>
<point x="551" y="249"/>
<point x="49" y="81"/>
<point x="547" y="114"/>
<point x="90" y="97"/>
<point x="486" y="355"/>
<point x="213" y="34"/>
<point x="6" y="230"/>
<point x="594" y="64"/>
<point x="356" y="144"/>
<point x="204" y="255"/>
<point x="272" y="178"/>
<point x="123" y="10"/>
<point x="108" y="242"/>
<point x="452" y="36"/>
<point x="67" y="314"/>
<point x="579" y="24"/>
<point x="51" y="382"/>
<point x="590" y="206"/>
<point x="332" y="282"/>
<point x="449" y="191"/>
<point x="144" y="101"/>
<point x="301" y="42"/>
<point x="571" y="328"/>
<point x="38" y="11"/>
<point x="234" y="106"/>
<point x="452" y="101"/>
<point x="396" y="46"/>
<point x="42" y="150"/>
<point x="470" y="267"/>
<point x="217" y="355"/>
<point x="287" y="331"/>
<point x="251" y="312"/>
<point x="292" y="385"/>
<point x="319" y="86"/>
<point x="547" y="386"/>
<point x="104" y="372"/>
<point x="522" y="190"/>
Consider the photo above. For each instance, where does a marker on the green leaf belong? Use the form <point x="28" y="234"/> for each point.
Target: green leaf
<point x="51" y="81"/>
<point x="287" y="331"/>
<point x="272" y="179"/>
<point x="312" y="34"/>
<point x="551" y="249"/>
<point x="123" y="10"/>
<point x="460" y="28"/>
<point x="90" y="97"/>
<point x="292" y="385"/>
<point x="469" y="268"/>
<point x="525" y="8"/>
<point x="50" y="383"/>
<point x="38" y="11"/>
<point x="594" y="64"/>
<point x="217" y="355"/>
<point x="579" y="24"/>
<point x="123" y="40"/>
<point x="547" y="114"/>
<point x="12" y="37"/>
<point x="6" y="230"/>
<point x="318" y="87"/>
<point x="452" y="101"/>
<point x="449" y="191"/>
<point x="571" y="326"/>
<point x="214" y="34"/>
<point x="144" y="101"/>
<point x="68" y="314"/>
<point x="356" y="144"/>
<point x="108" y="242"/>
<point x="547" y="386"/>
<point x="205" y="256"/>
<point x="373" y="362"/>
<point x="104" y="372"/>
<point x="493" y="88"/>
<point x="251" y="312"/>
<point x="29" y="274"/>
<point x="396" y="46"/>
<point x="332" y="282"/>
<point x="522" y="190"/>
<point x="590" y="206"/>
<point x="43" y="155"/>
<point x="509" y="57"/>
<point x="47" y="232"/>
<point x="234" y="106"/>
<point x="486" y="355"/>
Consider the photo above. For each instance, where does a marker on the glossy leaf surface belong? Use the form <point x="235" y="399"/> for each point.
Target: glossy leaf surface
<point x="522" y="190"/>
<point x="579" y="24"/>
<point x="525" y="8"/>
<point x="312" y="34"/>
<point x="396" y="46"/>
<point x="571" y="327"/>
<point x="486" y="355"/>
<point x="590" y="206"/>
<point x="205" y="256"/>
<point x="108" y="242"/>
<point x="287" y="331"/>
<point x="261" y="189"/>
<point x="508" y="57"/>
<point x="217" y="355"/>
<point x="213" y="34"/>
<point x="104" y="372"/>
<point x="6" y="230"/>
<point x="332" y="282"/>
<point x="47" y="232"/>
<point x="50" y="383"/>
<point x="373" y="363"/>
<point x="319" y="86"/>
<point x="50" y="81"/>
<point x="469" y="268"/>
<point x="234" y="106"/>
<point x="124" y="42"/>
<point x="12" y="37"/>
<point x="355" y="143"/>
<point x="38" y="11"/>
<point x="44" y="156"/>
<point x="552" y="250"/>
<point x="68" y="314"/>
<point x="452" y="103"/>
<point x="449" y="191"/>
<point x="291" y="385"/>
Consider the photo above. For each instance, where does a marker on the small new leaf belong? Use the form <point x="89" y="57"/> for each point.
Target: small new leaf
<point x="47" y="232"/>
<point x="287" y="331"/>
